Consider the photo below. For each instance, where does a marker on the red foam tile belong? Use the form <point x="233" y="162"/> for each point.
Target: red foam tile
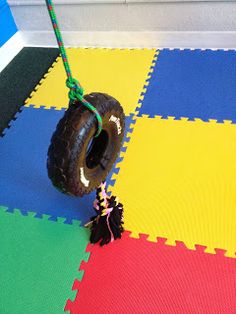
<point x="137" y="276"/>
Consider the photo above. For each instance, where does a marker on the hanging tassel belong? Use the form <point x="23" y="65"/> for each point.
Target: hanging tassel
<point x="107" y="225"/>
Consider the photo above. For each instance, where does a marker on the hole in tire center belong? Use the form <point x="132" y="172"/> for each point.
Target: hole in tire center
<point x="96" y="149"/>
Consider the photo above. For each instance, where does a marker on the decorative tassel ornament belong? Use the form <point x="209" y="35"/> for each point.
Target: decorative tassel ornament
<point x="107" y="225"/>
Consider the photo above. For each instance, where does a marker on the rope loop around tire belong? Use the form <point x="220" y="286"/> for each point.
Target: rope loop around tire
<point x="77" y="160"/>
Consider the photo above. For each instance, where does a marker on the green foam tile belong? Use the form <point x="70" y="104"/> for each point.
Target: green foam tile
<point x="39" y="262"/>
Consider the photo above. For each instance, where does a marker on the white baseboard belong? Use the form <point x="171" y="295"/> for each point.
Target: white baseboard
<point x="10" y="49"/>
<point x="192" y="40"/>
<point x="159" y="40"/>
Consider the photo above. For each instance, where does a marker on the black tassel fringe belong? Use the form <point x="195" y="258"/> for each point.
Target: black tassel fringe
<point x="109" y="227"/>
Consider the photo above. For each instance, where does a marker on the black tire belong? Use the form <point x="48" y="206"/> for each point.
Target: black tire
<point x="77" y="160"/>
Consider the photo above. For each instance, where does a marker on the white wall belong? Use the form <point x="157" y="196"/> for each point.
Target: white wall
<point x="142" y="16"/>
<point x="210" y="24"/>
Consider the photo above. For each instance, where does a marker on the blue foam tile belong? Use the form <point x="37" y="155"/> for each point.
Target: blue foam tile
<point x="24" y="183"/>
<point x="194" y="84"/>
<point x="123" y="149"/>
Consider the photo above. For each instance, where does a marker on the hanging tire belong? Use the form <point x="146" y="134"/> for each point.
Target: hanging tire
<point x="77" y="160"/>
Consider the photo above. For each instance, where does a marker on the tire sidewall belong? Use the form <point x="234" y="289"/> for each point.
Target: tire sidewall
<point x="80" y="174"/>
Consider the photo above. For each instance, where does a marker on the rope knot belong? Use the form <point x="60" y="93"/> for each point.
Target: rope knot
<point x="76" y="90"/>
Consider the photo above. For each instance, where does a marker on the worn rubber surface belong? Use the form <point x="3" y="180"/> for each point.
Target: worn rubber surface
<point x="71" y="167"/>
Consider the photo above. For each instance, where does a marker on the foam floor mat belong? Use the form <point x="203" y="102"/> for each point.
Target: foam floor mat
<point x="193" y="84"/>
<point x="175" y="176"/>
<point x="15" y="87"/>
<point x="181" y="182"/>
<point x="118" y="72"/>
<point x="24" y="182"/>
<point x="137" y="276"/>
<point x="39" y="261"/>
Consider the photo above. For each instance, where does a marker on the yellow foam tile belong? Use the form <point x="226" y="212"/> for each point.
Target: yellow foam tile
<point x="178" y="181"/>
<point x="118" y="72"/>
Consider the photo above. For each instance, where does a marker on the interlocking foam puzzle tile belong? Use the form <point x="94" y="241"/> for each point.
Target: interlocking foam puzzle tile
<point x="118" y="72"/>
<point x="24" y="182"/>
<point x="39" y="261"/>
<point x="193" y="84"/>
<point x="136" y="276"/>
<point x="8" y="125"/>
<point x="177" y="181"/>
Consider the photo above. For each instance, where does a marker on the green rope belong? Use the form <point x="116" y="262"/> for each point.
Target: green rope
<point x="76" y="91"/>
